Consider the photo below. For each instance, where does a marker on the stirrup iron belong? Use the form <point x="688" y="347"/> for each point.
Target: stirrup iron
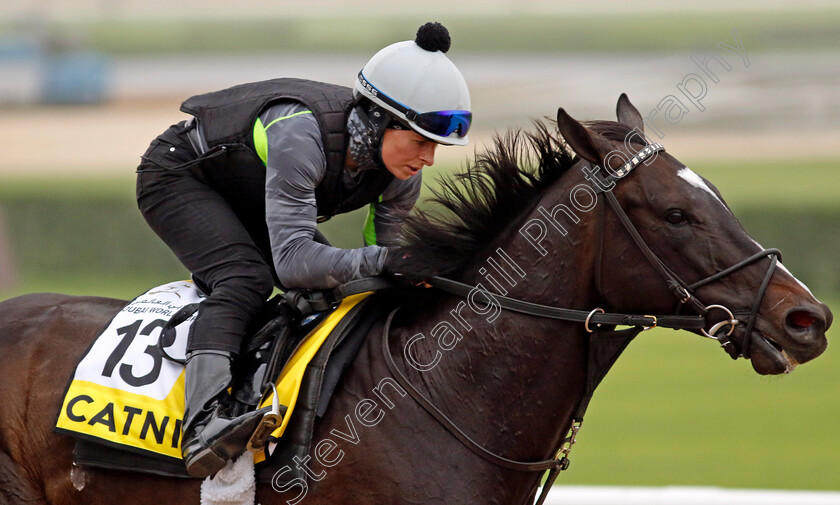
<point x="270" y="421"/>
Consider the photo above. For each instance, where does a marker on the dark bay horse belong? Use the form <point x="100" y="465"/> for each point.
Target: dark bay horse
<point x="528" y="220"/>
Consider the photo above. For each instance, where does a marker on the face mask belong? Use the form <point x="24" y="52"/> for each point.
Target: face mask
<point x="366" y="125"/>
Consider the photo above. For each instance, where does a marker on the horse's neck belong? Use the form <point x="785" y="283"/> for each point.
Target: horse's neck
<point x="521" y="374"/>
<point x="549" y="256"/>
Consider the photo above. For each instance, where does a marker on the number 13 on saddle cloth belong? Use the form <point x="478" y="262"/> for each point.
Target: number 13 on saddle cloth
<point x="126" y="394"/>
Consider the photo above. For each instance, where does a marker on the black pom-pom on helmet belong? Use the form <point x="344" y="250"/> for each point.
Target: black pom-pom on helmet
<point x="433" y="37"/>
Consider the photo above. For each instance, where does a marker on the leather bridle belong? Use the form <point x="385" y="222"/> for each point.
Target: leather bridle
<point x="683" y="291"/>
<point x="597" y="321"/>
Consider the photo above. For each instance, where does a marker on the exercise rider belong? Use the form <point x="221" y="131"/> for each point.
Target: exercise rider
<point x="236" y="191"/>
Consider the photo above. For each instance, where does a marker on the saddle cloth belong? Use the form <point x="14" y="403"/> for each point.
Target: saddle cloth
<point x="125" y="395"/>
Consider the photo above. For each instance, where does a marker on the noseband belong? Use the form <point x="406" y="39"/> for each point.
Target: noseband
<point x="682" y="291"/>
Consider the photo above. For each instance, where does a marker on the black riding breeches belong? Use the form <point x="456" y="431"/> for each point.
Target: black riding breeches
<point x="209" y="238"/>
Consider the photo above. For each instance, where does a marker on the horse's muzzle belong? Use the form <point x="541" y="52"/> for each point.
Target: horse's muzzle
<point x="797" y="338"/>
<point x="806" y="326"/>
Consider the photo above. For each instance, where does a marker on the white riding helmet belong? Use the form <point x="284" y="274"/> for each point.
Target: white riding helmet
<point x="417" y="84"/>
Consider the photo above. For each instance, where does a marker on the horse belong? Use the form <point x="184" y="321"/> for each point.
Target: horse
<point x="586" y="222"/>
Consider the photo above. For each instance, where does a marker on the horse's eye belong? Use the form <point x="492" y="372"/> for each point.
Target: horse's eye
<point x="675" y="216"/>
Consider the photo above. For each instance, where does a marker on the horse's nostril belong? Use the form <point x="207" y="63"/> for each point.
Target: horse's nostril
<point x="801" y="319"/>
<point x="806" y="321"/>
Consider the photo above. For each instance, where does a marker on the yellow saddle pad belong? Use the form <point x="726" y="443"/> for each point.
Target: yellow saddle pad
<point x="125" y="394"/>
<point x="288" y="383"/>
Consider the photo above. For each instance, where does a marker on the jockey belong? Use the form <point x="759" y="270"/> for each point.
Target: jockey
<point x="236" y="191"/>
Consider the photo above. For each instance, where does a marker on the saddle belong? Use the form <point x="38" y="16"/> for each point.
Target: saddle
<point x="303" y="342"/>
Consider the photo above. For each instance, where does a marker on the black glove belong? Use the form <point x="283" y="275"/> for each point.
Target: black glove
<point x="397" y="264"/>
<point x="394" y="263"/>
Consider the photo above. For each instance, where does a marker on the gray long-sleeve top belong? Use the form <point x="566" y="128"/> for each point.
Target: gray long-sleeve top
<point x="295" y="164"/>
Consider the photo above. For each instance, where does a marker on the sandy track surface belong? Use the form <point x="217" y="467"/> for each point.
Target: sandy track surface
<point x="108" y="140"/>
<point x="766" y="106"/>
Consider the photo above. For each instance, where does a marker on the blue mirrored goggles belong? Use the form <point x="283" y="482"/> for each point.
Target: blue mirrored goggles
<point x="443" y="122"/>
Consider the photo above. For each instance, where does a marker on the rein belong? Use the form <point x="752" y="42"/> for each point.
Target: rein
<point x="595" y="317"/>
<point x="532" y="466"/>
<point x="603" y="352"/>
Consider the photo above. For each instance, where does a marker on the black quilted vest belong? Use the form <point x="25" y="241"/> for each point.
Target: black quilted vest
<point x="227" y="118"/>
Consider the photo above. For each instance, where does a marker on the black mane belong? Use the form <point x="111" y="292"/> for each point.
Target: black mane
<point x="472" y="206"/>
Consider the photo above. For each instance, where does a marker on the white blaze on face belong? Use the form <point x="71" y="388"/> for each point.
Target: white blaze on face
<point x="695" y="180"/>
<point x="784" y="269"/>
<point x="796" y="279"/>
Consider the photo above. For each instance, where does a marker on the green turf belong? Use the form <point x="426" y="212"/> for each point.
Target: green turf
<point x="472" y="29"/>
<point x="676" y="410"/>
<point x="789" y="184"/>
<point x="124" y="286"/>
<point x="64" y="187"/>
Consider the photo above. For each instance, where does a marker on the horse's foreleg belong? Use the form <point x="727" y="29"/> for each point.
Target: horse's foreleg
<point x="15" y="487"/>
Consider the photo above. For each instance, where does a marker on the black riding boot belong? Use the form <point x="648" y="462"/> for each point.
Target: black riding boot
<point x="212" y="433"/>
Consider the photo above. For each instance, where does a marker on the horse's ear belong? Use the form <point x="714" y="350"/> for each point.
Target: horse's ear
<point x="628" y="114"/>
<point x="588" y="145"/>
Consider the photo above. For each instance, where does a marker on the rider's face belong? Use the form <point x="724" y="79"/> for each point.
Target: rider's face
<point x="406" y="152"/>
